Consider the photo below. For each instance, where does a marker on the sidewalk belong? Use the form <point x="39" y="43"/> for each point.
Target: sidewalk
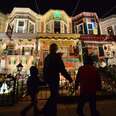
<point x="106" y="108"/>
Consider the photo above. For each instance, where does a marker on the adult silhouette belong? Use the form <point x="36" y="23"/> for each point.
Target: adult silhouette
<point x="53" y="66"/>
<point x="89" y="81"/>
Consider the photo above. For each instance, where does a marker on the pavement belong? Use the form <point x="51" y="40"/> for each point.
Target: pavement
<point x="105" y="107"/>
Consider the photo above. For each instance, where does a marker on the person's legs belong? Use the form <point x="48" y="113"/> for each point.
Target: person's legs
<point x="81" y="104"/>
<point x="92" y="103"/>
<point x="51" y="105"/>
<point x="34" y="103"/>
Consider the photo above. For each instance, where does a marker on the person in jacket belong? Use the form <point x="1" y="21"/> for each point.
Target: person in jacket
<point x="53" y="66"/>
<point x="89" y="81"/>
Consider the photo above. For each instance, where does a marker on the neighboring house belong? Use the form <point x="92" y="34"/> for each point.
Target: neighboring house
<point x="24" y="20"/>
<point x="108" y="25"/>
<point x="86" y="23"/>
<point x="29" y="35"/>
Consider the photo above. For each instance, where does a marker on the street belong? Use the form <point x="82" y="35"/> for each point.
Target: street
<point x="106" y="108"/>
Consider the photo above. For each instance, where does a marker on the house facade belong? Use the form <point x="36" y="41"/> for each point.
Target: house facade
<point x="30" y="34"/>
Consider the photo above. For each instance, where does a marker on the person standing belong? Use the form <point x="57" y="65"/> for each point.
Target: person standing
<point x="53" y="66"/>
<point x="89" y="81"/>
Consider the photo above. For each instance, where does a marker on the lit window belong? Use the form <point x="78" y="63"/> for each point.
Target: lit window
<point x="92" y="20"/>
<point x="21" y="23"/>
<point x="20" y="27"/>
<point x="89" y="26"/>
<point x="110" y="30"/>
<point x="80" y="29"/>
<point x="65" y="29"/>
<point x="90" y="31"/>
<point x="47" y="28"/>
<point x="57" y="26"/>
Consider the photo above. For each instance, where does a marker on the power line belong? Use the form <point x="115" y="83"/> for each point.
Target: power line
<point x="37" y="6"/>
<point x="75" y="8"/>
<point x="108" y="12"/>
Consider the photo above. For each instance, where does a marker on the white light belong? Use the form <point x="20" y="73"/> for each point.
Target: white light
<point x="4" y="89"/>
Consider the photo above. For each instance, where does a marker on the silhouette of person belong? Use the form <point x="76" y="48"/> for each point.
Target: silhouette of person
<point x="89" y="82"/>
<point x="53" y="66"/>
<point x="32" y="88"/>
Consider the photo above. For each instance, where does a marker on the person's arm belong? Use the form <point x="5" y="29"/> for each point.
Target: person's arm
<point x="64" y="71"/>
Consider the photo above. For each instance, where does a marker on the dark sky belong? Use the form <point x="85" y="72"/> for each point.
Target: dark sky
<point x="72" y="7"/>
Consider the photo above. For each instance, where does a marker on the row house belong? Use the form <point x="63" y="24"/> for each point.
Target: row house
<point x="86" y="23"/>
<point x="30" y="34"/>
<point x="108" y="25"/>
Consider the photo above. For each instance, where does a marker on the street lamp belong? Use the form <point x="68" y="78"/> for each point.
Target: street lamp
<point x="19" y="67"/>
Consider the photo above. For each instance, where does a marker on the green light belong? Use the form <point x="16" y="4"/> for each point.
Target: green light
<point x="57" y="14"/>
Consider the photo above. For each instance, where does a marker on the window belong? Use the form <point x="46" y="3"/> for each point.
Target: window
<point x="20" y="27"/>
<point x="101" y="51"/>
<point x="75" y="29"/>
<point x="57" y="26"/>
<point x="92" y="20"/>
<point x="65" y="29"/>
<point x="47" y="28"/>
<point x="21" y="23"/>
<point x="90" y="31"/>
<point x="110" y="30"/>
<point x="80" y="29"/>
<point x="89" y="26"/>
<point x="31" y="28"/>
<point x="27" y="50"/>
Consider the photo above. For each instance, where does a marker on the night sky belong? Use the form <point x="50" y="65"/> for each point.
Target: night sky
<point x="72" y="7"/>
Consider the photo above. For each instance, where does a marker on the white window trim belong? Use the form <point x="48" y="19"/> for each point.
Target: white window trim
<point x="32" y="24"/>
<point x="78" y="26"/>
<point x="18" y="20"/>
<point x="88" y="28"/>
<point x="51" y="22"/>
<point x="62" y="28"/>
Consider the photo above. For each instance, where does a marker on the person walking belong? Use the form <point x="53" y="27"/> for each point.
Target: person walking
<point x="89" y="81"/>
<point x="53" y="66"/>
<point x="32" y="91"/>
